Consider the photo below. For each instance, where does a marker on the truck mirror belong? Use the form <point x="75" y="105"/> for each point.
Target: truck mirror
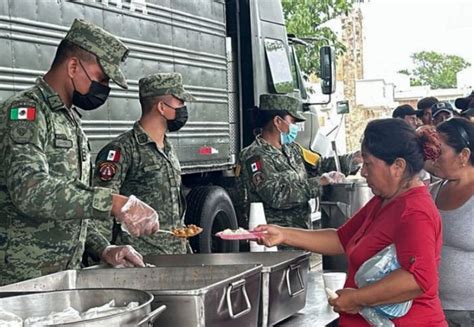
<point x="342" y="107"/>
<point x="327" y="65"/>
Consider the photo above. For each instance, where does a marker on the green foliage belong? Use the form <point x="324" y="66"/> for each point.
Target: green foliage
<point x="438" y="70"/>
<point x="304" y="19"/>
<point x="404" y="72"/>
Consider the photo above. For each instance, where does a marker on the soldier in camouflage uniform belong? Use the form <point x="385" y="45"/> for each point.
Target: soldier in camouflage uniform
<point x="274" y="169"/>
<point x="143" y="162"/>
<point x="46" y="201"/>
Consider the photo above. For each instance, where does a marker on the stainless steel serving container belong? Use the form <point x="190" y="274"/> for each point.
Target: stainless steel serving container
<point x="43" y="304"/>
<point x="284" y="277"/>
<point x="339" y="202"/>
<point x="348" y="197"/>
<point x="194" y="296"/>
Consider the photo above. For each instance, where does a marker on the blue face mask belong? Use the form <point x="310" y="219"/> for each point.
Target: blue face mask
<point x="290" y="137"/>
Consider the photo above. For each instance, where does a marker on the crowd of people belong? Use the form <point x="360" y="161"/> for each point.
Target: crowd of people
<point x="431" y="111"/>
<point x="51" y="212"/>
<point x="431" y="225"/>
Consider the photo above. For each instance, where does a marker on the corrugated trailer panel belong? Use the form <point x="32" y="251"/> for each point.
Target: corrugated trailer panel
<point x="185" y="36"/>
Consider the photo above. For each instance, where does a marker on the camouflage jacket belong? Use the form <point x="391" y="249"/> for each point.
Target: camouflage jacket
<point x="279" y="179"/>
<point x="133" y="164"/>
<point x="45" y="196"/>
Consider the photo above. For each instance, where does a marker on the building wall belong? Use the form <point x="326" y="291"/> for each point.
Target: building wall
<point x="352" y="70"/>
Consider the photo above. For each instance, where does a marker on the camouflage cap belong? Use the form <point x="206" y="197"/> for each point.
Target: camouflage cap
<point x="282" y="102"/>
<point x="163" y="84"/>
<point x="108" y="49"/>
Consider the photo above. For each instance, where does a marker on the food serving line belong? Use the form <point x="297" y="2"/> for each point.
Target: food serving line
<point x="232" y="289"/>
<point x="222" y="289"/>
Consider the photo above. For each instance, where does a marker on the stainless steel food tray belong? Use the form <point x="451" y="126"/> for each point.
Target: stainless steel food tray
<point x="212" y="295"/>
<point x="284" y="277"/>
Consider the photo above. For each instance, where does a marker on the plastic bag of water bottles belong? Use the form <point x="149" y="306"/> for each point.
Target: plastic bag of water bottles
<point x="374" y="269"/>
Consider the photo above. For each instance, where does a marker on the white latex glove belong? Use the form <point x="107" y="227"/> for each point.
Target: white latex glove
<point x="138" y="218"/>
<point x="122" y="256"/>
<point x="333" y="177"/>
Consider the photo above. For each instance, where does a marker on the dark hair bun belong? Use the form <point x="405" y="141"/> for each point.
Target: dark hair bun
<point x="392" y="138"/>
<point x="429" y="138"/>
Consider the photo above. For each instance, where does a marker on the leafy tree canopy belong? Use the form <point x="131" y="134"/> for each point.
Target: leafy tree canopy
<point x="438" y="70"/>
<point x="305" y="18"/>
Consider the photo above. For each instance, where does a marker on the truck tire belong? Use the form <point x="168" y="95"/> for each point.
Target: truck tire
<point x="211" y="208"/>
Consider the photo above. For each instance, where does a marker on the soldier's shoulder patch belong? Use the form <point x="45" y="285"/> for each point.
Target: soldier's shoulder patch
<point x="258" y="178"/>
<point x="111" y="153"/>
<point x="20" y="109"/>
<point x="22" y="112"/>
<point x="107" y="170"/>
<point x="254" y="164"/>
<point x="254" y="167"/>
<point x="22" y="132"/>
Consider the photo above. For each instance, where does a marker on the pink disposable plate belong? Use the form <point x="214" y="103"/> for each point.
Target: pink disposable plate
<point x="246" y="236"/>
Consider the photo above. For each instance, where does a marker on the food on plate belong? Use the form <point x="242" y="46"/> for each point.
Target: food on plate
<point x="238" y="231"/>
<point x="239" y="234"/>
<point x="187" y="231"/>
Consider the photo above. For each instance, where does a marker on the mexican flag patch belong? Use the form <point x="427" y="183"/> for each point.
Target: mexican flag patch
<point x="23" y="113"/>
<point x="113" y="155"/>
<point x="256" y="166"/>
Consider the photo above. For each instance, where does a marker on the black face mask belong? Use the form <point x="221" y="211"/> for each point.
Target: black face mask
<point x="94" y="98"/>
<point x="180" y="119"/>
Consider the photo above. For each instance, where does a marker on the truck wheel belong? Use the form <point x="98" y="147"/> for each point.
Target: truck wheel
<point x="210" y="207"/>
